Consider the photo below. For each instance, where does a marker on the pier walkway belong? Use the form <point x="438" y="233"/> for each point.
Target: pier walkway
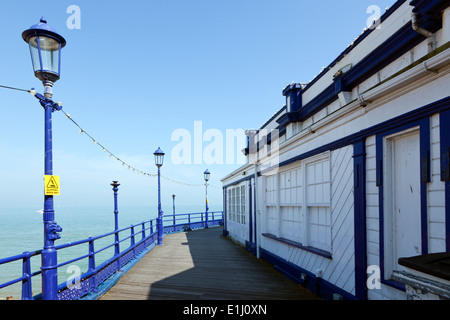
<point x="204" y="265"/>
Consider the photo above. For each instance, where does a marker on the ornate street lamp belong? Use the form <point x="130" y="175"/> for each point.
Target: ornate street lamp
<point x="45" y="48"/>
<point x="159" y="159"/>
<point x="206" y="175"/>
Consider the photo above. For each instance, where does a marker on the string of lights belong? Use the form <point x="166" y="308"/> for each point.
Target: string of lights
<point x="12" y="88"/>
<point x="125" y="164"/>
<point x="112" y="155"/>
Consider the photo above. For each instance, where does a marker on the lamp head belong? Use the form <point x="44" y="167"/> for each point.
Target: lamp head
<point x="159" y="157"/>
<point x="45" y="48"/>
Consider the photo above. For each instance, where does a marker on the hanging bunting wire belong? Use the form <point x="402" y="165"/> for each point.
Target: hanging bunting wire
<point x="125" y="164"/>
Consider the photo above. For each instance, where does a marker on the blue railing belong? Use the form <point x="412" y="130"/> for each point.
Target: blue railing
<point x="141" y="236"/>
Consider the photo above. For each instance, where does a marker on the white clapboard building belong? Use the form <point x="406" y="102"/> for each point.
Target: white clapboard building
<point x="350" y="178"/>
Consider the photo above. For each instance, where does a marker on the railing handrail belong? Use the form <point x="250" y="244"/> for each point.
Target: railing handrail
<point x="146" y="240"/>
<point x="74" y="243"/>
<point x="20" y="256"/>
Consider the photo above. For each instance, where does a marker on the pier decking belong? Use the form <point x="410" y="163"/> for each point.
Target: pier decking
<point x="203" y="265"/>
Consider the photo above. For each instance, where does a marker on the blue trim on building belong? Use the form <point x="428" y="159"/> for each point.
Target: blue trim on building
<point x="360" y="238"/>
<point x="429" y="13"/>
<point x="425" y="171"/>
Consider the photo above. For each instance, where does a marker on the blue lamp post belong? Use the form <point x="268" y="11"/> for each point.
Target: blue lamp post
<point x="159" y="159"/>
<point x="173" y="197"/>
<point x="115" y="186"/>
<point x="206" y="175"/>
<point x="45" y="49"/>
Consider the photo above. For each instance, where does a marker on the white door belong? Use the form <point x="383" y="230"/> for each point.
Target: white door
<point x="402" y="211"/>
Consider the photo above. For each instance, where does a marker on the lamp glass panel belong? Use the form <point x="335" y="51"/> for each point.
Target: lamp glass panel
<point x="34" y="51"/>
<point x="49" y="54"/>
<point x="159" y="159"/>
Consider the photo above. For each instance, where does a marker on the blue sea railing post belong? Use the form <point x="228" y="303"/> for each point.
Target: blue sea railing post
<point x="45" y="48"/>
<point x="115" y="186"/>
<point x="159" y="159"/>
<point x="206" y="175"/>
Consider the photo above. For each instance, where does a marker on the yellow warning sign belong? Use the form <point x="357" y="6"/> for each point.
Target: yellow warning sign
<point x="51" y="185"/>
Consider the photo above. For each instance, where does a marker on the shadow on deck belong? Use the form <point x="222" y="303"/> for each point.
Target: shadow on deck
<point x="204" y="265"/>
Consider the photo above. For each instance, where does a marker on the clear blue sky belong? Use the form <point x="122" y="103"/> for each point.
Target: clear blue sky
<point x="136" y="71"/>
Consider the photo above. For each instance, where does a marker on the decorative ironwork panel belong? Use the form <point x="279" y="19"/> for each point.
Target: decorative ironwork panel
<point x="77" y="290"/>
<point x="106" y="272"/>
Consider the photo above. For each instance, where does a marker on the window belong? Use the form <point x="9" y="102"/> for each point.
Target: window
<point x="230" y="205"/>
<point x="242" y="218"/>
<point x="271" y="203"/>
<point x="291" y="199"/>
<point x="237" y="204"/>
<point x="298" y="204"/>
<point x="318" y="215"/>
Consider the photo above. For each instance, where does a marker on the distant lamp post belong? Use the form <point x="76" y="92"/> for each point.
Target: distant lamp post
<point x="206" y="175"/>
<point x="115" y="186"/>
<point x="173" y="197"/>
<point x="159" y="159"/>
<point x="45" y="49"/>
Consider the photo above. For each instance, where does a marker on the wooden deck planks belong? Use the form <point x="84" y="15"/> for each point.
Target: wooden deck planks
<point x="204" y="265"/>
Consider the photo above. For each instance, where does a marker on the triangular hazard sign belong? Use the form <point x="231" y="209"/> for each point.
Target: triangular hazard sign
<point x="52" y="183"/>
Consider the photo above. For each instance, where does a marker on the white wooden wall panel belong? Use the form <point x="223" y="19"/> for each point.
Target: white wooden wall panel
<point x="436" y="193"/>
<point x="372" y="211"/>
<point x="342" y="213"/>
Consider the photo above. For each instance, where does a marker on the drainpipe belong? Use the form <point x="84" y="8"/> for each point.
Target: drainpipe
<point x="415" y="26"/>
<point x="422" y="31"/>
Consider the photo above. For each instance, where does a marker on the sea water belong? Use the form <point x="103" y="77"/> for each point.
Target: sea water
<point x="21" y="230"/>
